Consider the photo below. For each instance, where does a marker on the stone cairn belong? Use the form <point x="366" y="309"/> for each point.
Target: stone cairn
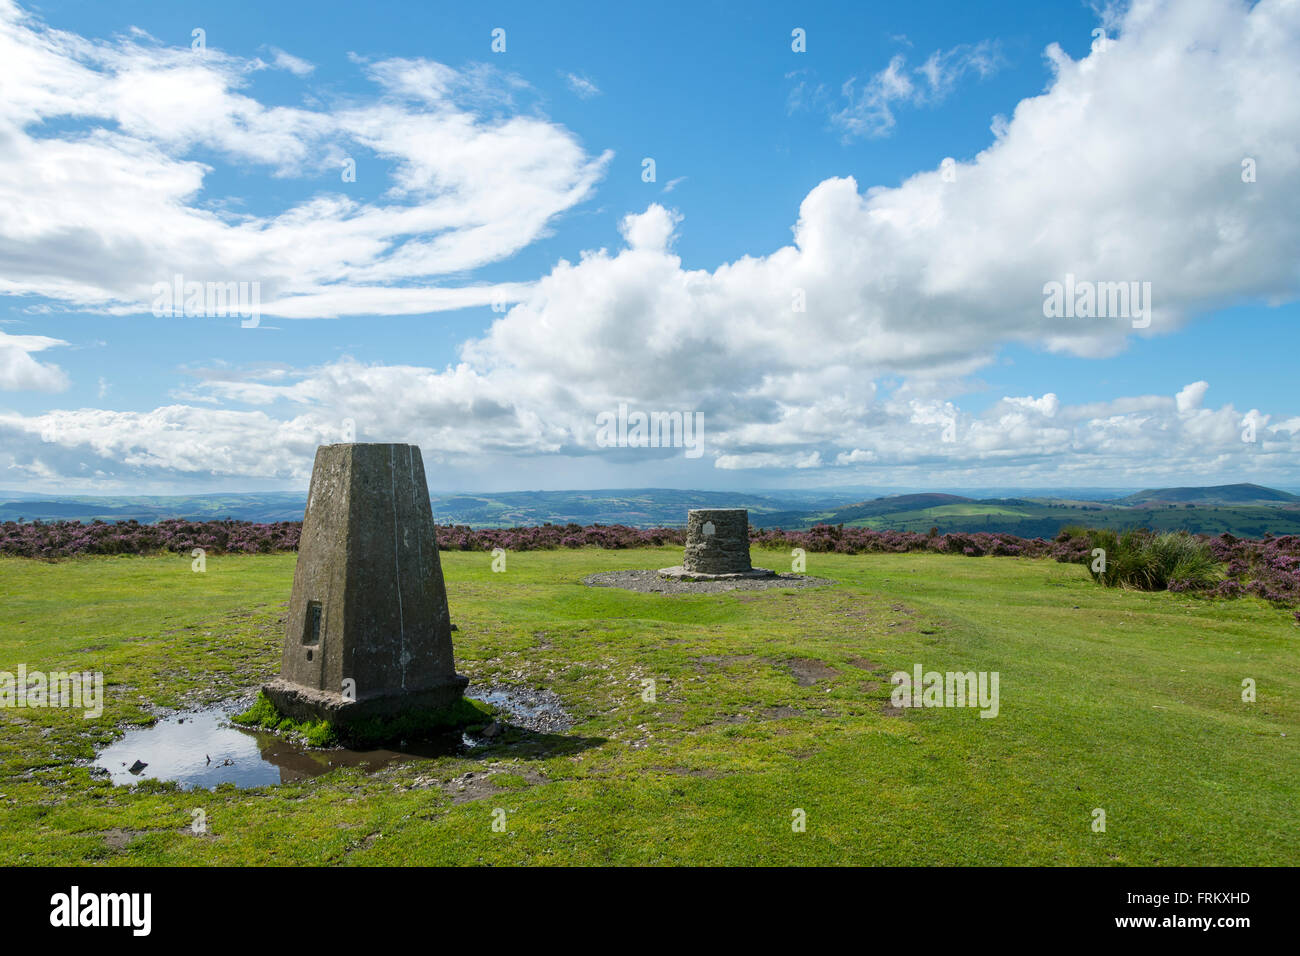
<point x="369" y="633"/>
<point x="717" y="547"/>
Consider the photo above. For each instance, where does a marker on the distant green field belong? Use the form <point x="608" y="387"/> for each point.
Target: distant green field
<point x="944" y="511"/>
<point x="1045" y="521"/>
<point x="927" y="518"/>
<point x="767" y="703"/>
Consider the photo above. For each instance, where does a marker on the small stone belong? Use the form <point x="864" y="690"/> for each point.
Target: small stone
<point x="136" y="767"/>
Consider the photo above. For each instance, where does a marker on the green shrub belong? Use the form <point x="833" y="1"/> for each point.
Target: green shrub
<point x="1147" y="561"/>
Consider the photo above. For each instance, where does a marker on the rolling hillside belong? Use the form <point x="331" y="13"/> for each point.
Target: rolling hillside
<point x="1199" y="510"/>
<point x="1245" y="510"/>
<point x="1243" y="494"/>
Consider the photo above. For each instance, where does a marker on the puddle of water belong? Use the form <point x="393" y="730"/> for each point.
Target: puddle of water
<point x="202" y="748"/>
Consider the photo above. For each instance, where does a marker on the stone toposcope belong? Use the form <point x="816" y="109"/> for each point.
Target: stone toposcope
<point x="369" y="632"/>
<point x="717" y="547"/>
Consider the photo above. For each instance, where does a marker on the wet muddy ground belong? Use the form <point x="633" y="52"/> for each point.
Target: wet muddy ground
<point x="200" y="749"/>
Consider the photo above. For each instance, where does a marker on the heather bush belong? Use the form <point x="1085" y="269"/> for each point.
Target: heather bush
<point x="1223" y="566"/>
<point x="1268" y="568"/>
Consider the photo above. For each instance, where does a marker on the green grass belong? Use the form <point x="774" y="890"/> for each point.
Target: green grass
<point x="1149" y="561"/>
<point x="1036" y="519"/>
<point x="970" y="510"/>
<point x="263" y="715"/>
<point x="1113" y="699"/>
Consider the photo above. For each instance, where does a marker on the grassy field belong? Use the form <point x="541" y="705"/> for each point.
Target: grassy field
<point x="767" y="702"/>
<point x="1044" y="520"/>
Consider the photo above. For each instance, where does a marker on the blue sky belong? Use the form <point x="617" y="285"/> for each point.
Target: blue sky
<point x="923" y="300"/>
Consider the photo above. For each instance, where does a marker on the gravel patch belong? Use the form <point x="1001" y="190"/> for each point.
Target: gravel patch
<point x="540" y="711"/>
<point x="649" y="582"/>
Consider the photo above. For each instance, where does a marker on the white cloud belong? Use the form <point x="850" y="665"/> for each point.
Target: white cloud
<point x="464" y="419"/>
<point x="94" y="217"/>
<point x="805" y="93"/>
<point x="870" y="107"/>
<point x="1047" y="406"/>
<point x="581" y="85"/>
<point x="1190" y="398"/>
<point x="943" y="69"/>
<point x="751" y="460"/>
<point x="1126" y="168"/>
<point x="20" y="372"/>
<point x="287" y="61"/>
<point x="652" y="230"/>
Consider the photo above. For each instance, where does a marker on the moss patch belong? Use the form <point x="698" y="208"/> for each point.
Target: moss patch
<point x="365" y="733"/>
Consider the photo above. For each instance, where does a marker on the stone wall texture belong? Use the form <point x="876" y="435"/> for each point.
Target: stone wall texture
<point x="717" y="541"/>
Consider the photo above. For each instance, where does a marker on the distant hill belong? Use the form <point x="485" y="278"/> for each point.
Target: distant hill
<point x="638" y="507"/>
<point x="1215" y="495"/>
<point x="261" y="506"/>
<point x="927" y="500"/>
<point x="1244" y="510"/>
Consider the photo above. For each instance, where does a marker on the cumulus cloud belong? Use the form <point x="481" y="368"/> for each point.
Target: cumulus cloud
<point x="465" y="419"/>
<point x="1126" y="168"/>
<point x="20" y="372"/>
<point x="652" y="230"/>
<point x="1190" y="398"/>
